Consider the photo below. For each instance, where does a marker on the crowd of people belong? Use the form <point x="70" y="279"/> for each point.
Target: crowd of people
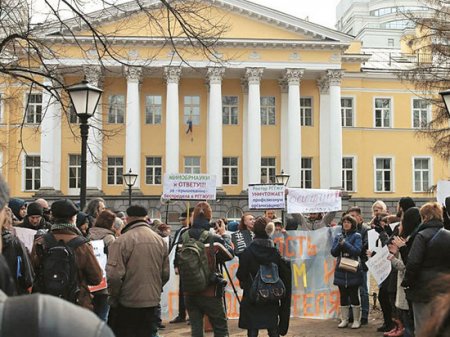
<point x="414" y="298"/>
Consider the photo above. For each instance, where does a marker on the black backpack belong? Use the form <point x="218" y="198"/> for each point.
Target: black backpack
<point x="58" y="270"/>
<point x="267" y="286"/>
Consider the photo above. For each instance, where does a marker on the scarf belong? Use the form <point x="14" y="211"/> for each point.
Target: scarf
<point x="69" y="226"/>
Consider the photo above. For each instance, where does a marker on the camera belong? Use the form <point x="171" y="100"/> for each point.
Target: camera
<point x="220" y="283"/>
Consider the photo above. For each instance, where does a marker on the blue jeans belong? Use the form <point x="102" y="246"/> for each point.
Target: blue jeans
<point x="364" y="294"/>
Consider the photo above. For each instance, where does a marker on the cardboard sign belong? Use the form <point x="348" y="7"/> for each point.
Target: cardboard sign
<point x="313" y="201"/>
<point x="181" y="186"/>
<point x="99" y="251"/>
<point x="379" y="266"/>
<point x="266" y="196"/>
<point x="443" y="191"/>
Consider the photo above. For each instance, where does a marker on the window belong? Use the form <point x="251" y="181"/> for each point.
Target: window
<point x="267" y="110"/>
<point x="74" y="171"/>
<point x="230" y="110"/>
<point x="116" y="111"/>
<point x="421" y="115"/>
<point x="348" y="174"/>
<point x="73" y="118"/>
<point x="34" y="109"/>
<point x="32" y="173"/>
<point x="192" y="165"/>
<point x="390" y="42"/>
<point x="306" y="111"/>
<point x="268" y="168"/>
<point x="306" y="173"/>
<point x="230" y="170"/>
<point x="234" y="213"/>
<point x="422" y="174"/>
<point x="153" y="109"/>
<point x="383" y="175"/>
<point x="192" y="109"/>
<point x="382" y="112"/>
<point x="153" y="170"/>
<point x="115" y="170"/>
<point x="347" y="111"/>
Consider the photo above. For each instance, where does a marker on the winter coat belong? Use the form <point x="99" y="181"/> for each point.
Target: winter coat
<point x="89" y="271"/>
<point x="305" y="224"/>
<point x="137" y="267"/>
<point x="43" y="224"/>
<point x="427" y="261"/>
<point x="6" y="282"/>
<point x="108" y="237"/>
<point x="352" y="249"/>
<point x="400" y="296"/>
<point x="258" y="316"/>
<point x="362" y="229"/>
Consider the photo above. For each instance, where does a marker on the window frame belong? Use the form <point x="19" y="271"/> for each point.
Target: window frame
<point x="115" y="108"/>
<point x="154" y="167"/>
<point x="430" y="172"/>
<point x="266" y="109"/>
<point x="34" y="169"/>
<point x="194" y="117"/>
<point x="73" y="190"/>
<point x="392" y="158"/>
<point x="229" y="168"/>
<point x="116" y="169"/>
<point x="302" y="110"/>
<point x="224" y="106"/>
<point x="303" y="172"/>
<point x="412" y="112"/>
<point x="391" y="120"/>
<point x="353" y="98"/>
<point x="192" y="166"/>
<point x="354" y="172"/>
<point x="269" y="167"/>
<point x="153" y="114"/>
<point x="27" y="105"/>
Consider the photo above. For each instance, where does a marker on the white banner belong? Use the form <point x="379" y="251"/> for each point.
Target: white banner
<point x="26" y="235"/>
<point x="99" y="252"/>
<point x="313" y="201"/>
<point x="180" y="186"/>
<point x="443" y="191"/>
<point x="266" y="197"/>
<point x="379" y="266"/>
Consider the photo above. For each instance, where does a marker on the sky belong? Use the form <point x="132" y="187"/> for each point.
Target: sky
<point x="322" y="12"/>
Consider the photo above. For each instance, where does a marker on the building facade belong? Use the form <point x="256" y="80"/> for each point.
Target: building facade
<point x="289" y="95"/>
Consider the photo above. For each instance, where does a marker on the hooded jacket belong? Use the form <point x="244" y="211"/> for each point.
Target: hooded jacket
<point x="16" y="204"/>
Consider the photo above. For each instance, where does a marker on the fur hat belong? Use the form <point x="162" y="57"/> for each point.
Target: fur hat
<point x="136" y="211"/>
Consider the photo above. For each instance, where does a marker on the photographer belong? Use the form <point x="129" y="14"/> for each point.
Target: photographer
<point x="218" y="249"/>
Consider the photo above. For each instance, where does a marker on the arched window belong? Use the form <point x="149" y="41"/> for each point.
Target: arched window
<point x="234" y="213"/>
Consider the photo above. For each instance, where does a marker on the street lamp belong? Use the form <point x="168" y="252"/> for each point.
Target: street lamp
<point x="85" y="98"/>
<point x="446" y="98"/>
<point x="282" y="179"/>
<point x="129" y="179"/>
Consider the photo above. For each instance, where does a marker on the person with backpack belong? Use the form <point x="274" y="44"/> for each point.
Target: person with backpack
<point x="63" y="260"/>
<point x="136" y="271"/>
<point x="257" y="312"/>
<point x="197" y="262"/>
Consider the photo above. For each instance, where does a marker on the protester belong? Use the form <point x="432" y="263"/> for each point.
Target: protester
<point x="244" y="236"/>
<point x="93" y="208"/>
<point x="18" y="208"/>
<point x="34" y="218"/>
<point x="87" y="270"/>
<point x="137" y="269"/>
<point x="348" y="244"/>
<point x="46" y="209"/>
<point x="36" y="315"/>
<point x="261" y="251"/>
<point x="314" y="220"/>
<point x="83" y="224"/>
<point x="209" y="301"/>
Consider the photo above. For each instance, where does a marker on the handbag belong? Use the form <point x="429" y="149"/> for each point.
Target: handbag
<point x="348" y="264"/>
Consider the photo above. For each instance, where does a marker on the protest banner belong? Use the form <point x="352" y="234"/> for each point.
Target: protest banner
<point x="99" y="252"/>
<point x="26" y="235"/>
<point x="379" y="266"/>
<point x="313" y="201"/>
<point x="266" y="196"/>
<point x="313" y="292"/>
<point x="179" y="186"/>
<point x="443" y="191"/>
<point x="372" y="240"/>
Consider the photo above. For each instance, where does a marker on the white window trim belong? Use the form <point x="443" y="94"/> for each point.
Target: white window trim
<point x="31" y="154"/>
<point x="72" y="191"/>
<point x="25" y="100"/>
<point x="355" y="171"/>
<point x="115" y="170"/>
<point x="239" y="110"/>
<point x="153" y="168"/>
<point x="228" y="167"/>
<point x="312" y="111"/>
<point x="199" y="164"/>
<point x="353" y="97"/>
<point x="374" y="114"/>
<point x="430" y="174"/>
<point x="412" y="112"/>
<point x="145" y="109"/>
<point x="312" y="170"/>
<point x="375" y="172"/>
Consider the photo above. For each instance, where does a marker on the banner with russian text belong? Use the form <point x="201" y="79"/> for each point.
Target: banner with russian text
<point x="313" y="292"/>
<point x="301" y="200"/>
<point x="180" y="186"/>
<point x="266" y="196"/>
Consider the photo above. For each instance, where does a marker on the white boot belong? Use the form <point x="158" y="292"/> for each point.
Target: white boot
<point x="356" y="317"/>
<point x="345" y="312"/>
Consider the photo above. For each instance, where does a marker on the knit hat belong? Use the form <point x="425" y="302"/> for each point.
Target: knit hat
<point x="233" y="226"/>
<point x="35" y="208"/>
<point x="63" y="209"/>
<point x="406" y="203"/>
<point x="259" y="228"/>
<point x="136" y="211"/>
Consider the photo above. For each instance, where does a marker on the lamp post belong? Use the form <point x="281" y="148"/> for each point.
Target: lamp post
<point x="84" y="98"/>
<point x="129" y="179"/>
<point x="446" y="98"/>
<point x="282" y="179"/>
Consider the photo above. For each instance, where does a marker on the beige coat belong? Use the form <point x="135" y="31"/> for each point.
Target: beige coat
<point x="138" y="267"/>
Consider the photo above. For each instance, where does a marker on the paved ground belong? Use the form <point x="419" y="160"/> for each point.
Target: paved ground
<point x="298" y="328"/>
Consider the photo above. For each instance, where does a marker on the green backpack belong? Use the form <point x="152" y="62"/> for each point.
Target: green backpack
<point x="193" y="265"/>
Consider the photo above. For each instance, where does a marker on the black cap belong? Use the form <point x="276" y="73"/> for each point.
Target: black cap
<point x="63" y="209"/>
<point x="136" y="211"/>
<point x="35" y="208"/>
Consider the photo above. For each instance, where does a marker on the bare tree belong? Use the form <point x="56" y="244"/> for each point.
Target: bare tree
<point x="430" y="71"/>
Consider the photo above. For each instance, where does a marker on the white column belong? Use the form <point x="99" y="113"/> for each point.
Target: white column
<point x="283" y="124"/>
<point x="214" y="132"/>
<point x="95" y="138"/>
<point x="294" y="136"/>
<point x="244" y="86"/>
<point x="254" y="125"/>
<point x="50" y="141"/>
<point x="334" y="77"/>
<point x="324" y="134"/>
<point x="133" y="124"/>
<point x="172" y="75"/>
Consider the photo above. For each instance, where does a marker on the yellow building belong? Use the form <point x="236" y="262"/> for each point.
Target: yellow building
<point x="289" y="95"/>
